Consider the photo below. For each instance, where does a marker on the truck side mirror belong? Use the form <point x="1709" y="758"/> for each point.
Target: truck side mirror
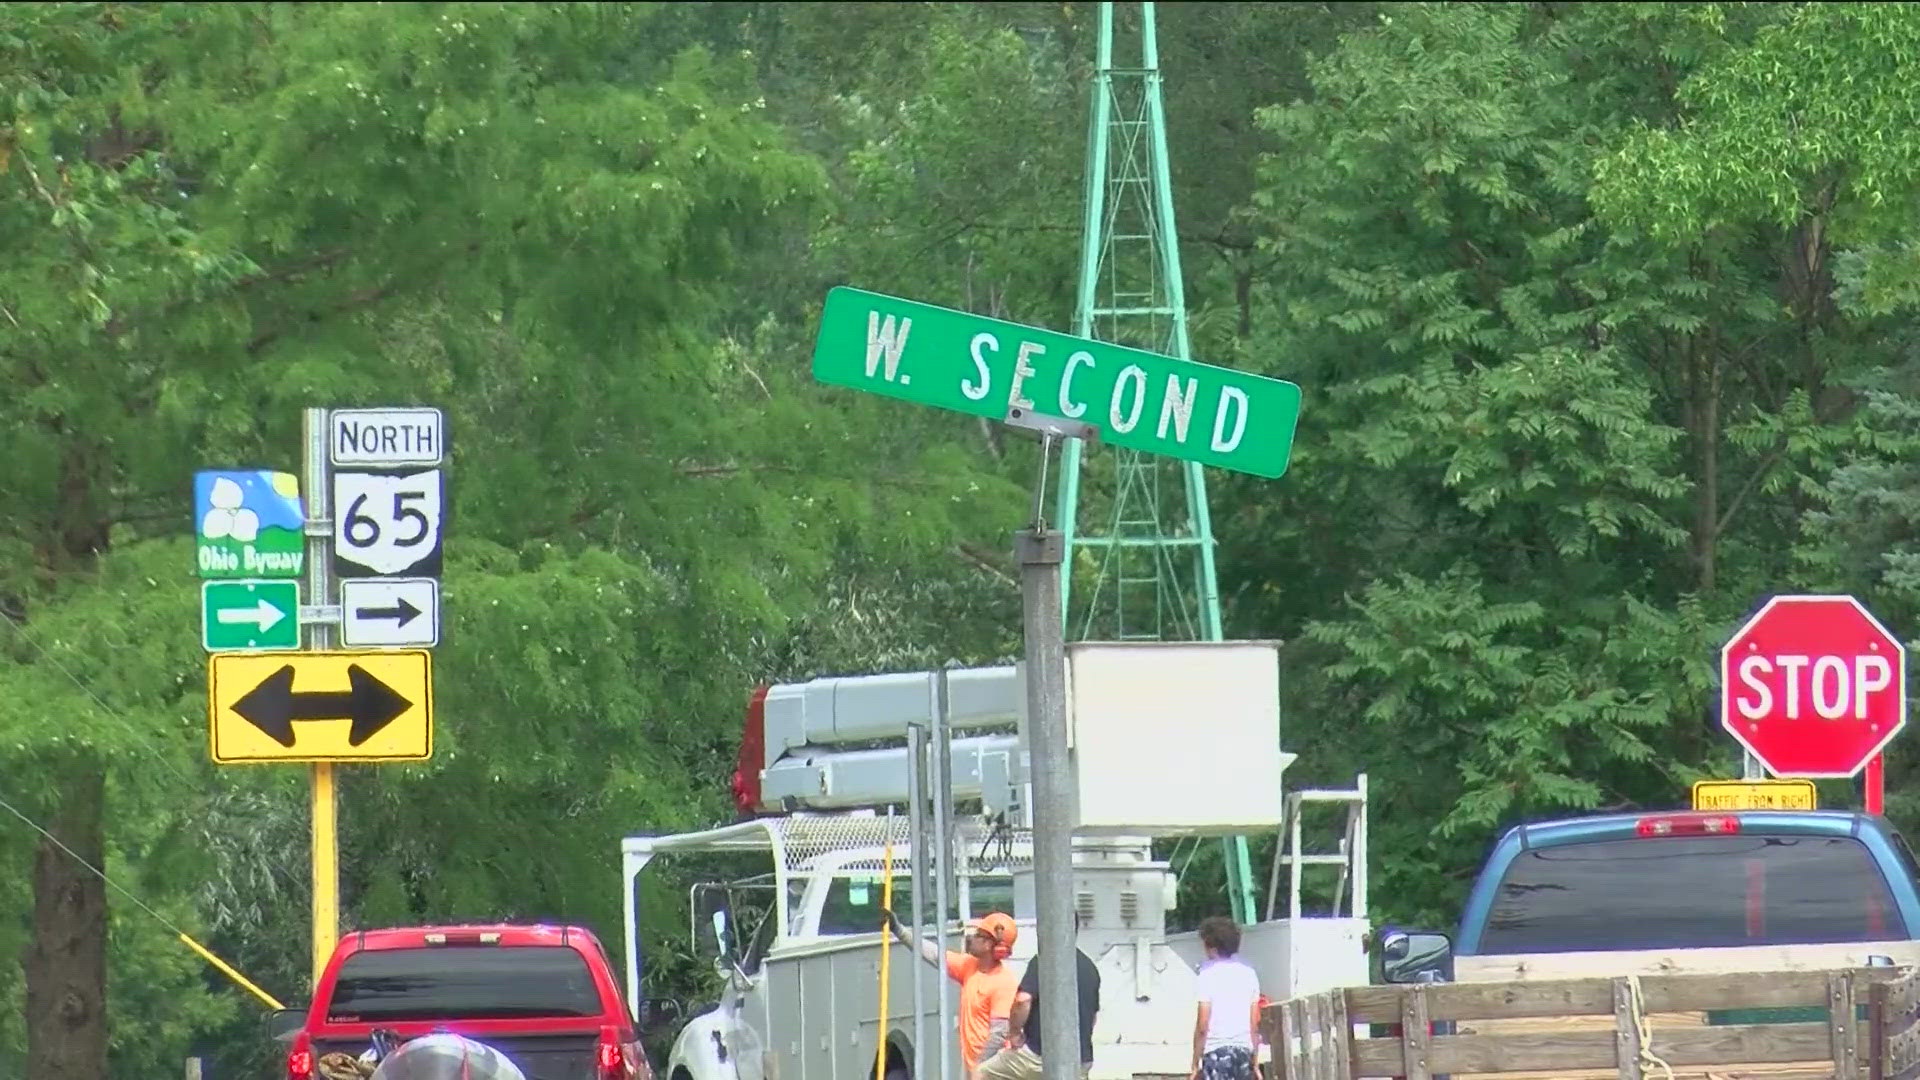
<point x="710" y="921"/>
<point x="1417" y="956"/>
<point x="281" y="1024"/>
<point x="660" y="1013"/>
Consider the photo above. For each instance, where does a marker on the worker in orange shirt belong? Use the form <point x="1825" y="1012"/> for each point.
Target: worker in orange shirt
<point x="987" y="985"/>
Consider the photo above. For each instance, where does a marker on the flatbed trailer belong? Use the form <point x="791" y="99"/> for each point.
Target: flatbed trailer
<point x="1626" y="1025"/>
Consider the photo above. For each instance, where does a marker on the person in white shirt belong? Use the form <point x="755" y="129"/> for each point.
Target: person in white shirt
<point x="1226" y="1030"/>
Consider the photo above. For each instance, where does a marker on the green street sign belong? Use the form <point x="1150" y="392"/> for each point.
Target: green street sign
<point x="249" y="615"/>
<point x="985" y="367"/>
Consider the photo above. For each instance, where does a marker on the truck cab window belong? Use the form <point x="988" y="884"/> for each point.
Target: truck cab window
<point x="1691" y="892"/>
<point x="990" y="894"/>
<point x="853" y="902"/>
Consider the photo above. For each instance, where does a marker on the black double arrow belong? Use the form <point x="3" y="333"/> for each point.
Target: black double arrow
<point x="272" y="706"/>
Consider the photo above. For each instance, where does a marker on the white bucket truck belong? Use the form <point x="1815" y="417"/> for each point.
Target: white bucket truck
<point x="1167" y="739"/>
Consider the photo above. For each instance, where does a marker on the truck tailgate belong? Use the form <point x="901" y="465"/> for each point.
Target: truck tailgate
<point x="541" y="1057"/>
<point x="1531" y="967"/>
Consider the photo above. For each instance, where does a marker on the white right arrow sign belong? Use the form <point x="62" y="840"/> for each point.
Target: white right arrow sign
<point x="262" y="615"/>
<point x="389" y="612"/>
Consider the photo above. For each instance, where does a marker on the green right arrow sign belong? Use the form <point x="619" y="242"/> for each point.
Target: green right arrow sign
<point x="984" y="367"/>
<point x="249" y="615"/>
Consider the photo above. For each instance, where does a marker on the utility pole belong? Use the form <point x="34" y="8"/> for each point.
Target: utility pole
<point x="1039" y="551"/>
<point x="917" y="866"/>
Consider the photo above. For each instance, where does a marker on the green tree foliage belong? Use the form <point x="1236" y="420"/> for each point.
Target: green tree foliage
<point x="1599" y="310"/>
<point x="1552" y="458"/>
<point x="1803" y="119"/>
<point x="216" y="216"/>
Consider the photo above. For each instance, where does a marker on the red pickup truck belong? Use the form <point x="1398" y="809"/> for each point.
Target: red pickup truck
<point x="544" y="996"/>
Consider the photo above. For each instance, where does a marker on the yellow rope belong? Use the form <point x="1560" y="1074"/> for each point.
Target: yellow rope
<point x="886" y="971"/>
<point x="227" y="970"/>
<point x="1648" y="1059"/>
<point x="224" y="967"/>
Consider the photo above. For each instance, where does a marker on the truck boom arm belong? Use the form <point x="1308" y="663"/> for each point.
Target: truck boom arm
<point x="803" y="746"/>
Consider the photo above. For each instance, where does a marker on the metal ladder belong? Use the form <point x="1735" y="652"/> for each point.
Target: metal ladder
<point x="1350" y="859"/>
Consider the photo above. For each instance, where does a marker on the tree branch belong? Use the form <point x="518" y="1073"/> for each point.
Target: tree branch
<point x="1752" y="483"/>
<point x="360" y="299"/>
<point x="736" y="468"/>
<point x="354" y="301"/>
<point x="984" y="562"/>
<point x="731" y="469"/>
<point x="323" y="261"/>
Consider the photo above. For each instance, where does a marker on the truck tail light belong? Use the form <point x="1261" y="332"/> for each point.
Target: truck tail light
<point x="1688" y="825"/>
<point x="300" y="1058"/>
<point x="470" y="937"/>
<point x="610" y="1056"/>
<point x="753" y="749"/>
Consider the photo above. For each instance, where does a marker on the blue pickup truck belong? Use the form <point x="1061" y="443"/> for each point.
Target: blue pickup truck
<point x="1680" y="880"/>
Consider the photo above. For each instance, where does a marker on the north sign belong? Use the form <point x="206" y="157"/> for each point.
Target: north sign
<point x="249" y="615"/>
<point x="320" y="706"/>
<point x="1813" y="686"/>
<point x="386" y="437"/>
<point x="986" y="367"/>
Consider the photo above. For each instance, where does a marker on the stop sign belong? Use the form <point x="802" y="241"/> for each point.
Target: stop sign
<point x="1813" y="686"/>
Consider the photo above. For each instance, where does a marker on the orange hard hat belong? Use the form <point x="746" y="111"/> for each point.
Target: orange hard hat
<point x="1001" y="928"/>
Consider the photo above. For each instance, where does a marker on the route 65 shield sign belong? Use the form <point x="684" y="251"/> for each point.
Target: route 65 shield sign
<point x="387" y="523"/>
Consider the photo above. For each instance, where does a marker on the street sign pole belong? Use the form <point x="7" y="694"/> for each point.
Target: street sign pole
<point x="1039" y="550"/>
<point x="1877" y="784"/>
<point x="325" y="844"/>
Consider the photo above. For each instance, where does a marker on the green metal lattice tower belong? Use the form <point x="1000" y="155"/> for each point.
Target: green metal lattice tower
<point x="1146" y="541"/>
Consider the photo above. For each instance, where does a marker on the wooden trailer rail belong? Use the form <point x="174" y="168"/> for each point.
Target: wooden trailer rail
<point x="1629" y="1026"/>
<point x="1893" y="1019"/>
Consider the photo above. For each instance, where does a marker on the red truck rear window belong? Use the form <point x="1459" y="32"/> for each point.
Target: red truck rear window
<point x="487" y="982"/>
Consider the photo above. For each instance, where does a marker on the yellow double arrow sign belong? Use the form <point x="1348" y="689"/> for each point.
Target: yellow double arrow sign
<point x="320" y="706"/>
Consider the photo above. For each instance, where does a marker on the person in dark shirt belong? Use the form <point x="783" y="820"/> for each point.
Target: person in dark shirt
<point x="1020" y="1060"/>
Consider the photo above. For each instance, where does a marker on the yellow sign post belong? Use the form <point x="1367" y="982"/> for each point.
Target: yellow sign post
<point x="320" y="706"/>
<point x="1753" y="795"/>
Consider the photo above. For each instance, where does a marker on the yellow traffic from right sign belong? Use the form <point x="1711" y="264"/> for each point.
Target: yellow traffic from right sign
<point x="1753" y="795"/>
